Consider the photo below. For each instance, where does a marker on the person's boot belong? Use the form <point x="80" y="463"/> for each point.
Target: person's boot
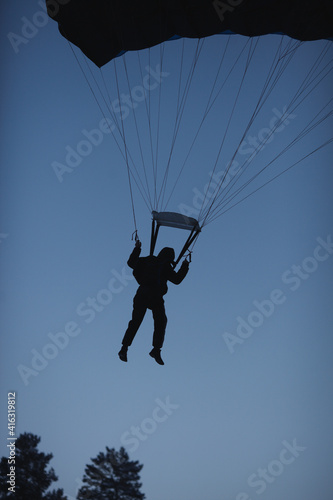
<point x="123" y="353"/>
<point x="156" y="354"/>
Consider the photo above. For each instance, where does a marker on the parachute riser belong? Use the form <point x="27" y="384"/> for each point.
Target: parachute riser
<point x="190" y="240"/>
<point x="172" y="219"/>
<point x="154" y="232"/>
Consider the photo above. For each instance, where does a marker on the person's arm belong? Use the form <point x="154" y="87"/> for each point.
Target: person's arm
<point x="134" y="257"/>
<point x="177" y="277"/>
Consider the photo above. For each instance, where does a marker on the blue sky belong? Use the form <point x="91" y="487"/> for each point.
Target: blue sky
<point x="247" y="382"/>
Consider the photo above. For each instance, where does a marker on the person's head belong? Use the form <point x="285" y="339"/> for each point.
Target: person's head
<point x="167" y="254"/>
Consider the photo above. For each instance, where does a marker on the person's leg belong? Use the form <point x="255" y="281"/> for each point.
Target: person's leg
<point x="160" y="321"/>
<point x="139" y="311"/>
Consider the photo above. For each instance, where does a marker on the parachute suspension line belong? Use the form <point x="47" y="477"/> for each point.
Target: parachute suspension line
<point x="323" y="145"/>
<point x="182" y="104"/>
<point x="138" y="136"/>
<point x="179" y="88"/>
<point x="266" y="91"/>
<point x="255" y="113"/>
<point x="163" y="27"/>
<point x="209" y="106"/>
<point x="277" y="68"/>
<point x="310" y="82"/>
<point x="137" y="179"/>
<point x="180" y="112"/>
<point x="126" y="157"/>
<point x="310" y="79"/>
<point x="180" y="81"/>
<point x="205" y="210"/>
<point x="151" y="139"/>
<point x="188" y="246"/>
<point x="181" y="98"/>
<point x="154" y="141"/>
<point x="147" y="200"/>
<point x="306" y="130"/>
<point x="211" y="101"/>
<point x="159" y="114"/>
<point x="148" y="112"/>
<point x="93" y="93"/>
<point x="262" y="98"/>
<point x="102" y="111"/>
<point x="249" y="57"/>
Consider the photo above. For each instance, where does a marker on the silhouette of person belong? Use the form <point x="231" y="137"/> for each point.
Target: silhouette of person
<point x="152" y="274"/>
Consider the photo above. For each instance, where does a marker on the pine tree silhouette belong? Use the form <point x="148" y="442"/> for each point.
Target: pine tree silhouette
<point x="112" y="476"/>
<point x="32" y="476"/>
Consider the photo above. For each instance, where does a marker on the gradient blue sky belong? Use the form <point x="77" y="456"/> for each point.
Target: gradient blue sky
<point x="231" y="414"/>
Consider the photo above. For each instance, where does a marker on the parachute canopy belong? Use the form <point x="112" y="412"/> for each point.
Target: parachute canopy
<point x="161" y="134"/>
<point x="104" y="29"/>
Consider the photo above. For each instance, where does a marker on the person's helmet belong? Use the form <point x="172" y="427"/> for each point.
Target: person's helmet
<point x="167" y="254"/>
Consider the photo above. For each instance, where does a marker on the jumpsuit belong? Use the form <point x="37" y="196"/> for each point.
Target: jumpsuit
<point x="154" y="274"/>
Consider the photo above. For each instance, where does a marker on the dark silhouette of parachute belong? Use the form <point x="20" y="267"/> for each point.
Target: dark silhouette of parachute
<point x="104" y="29"/>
